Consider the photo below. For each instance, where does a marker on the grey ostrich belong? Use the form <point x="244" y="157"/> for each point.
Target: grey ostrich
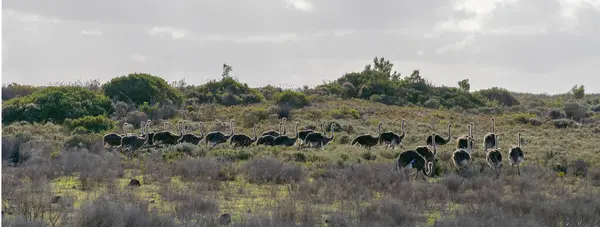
<point x="421" y="159"/>
<point x="489" y="140"/>
<point x="243" y="140"/>
<point x="285" y="140"/>
<point x="367" y="140"/>
<point x="515" y="154"/>
<point x="318" y="139"/>
<point x="217" y="137"/>
<point x="439" y="140"/>
<point x="392" y="139"/>
<point x="190" y="137"/>
<point x="462" y="157"/>
<point x="493" y="158"/>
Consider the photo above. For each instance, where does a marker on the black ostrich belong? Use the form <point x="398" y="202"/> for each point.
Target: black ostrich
<point x="318" y="139"/>
<point x="303" y="133"/>
<point x="493" y="158"/>
<point x="515" y="154"/>
<point x="273" y="132"/>
<point x="489" y="140"/>
<point x="392" y="139"/>
<point x="421" y="159"/>
<point x="216" y="137"/>
<point x="462" y="157"/>
<point x="284" y="140"/>
<point x="367" y="140"/>
<point x="191" y="137"/>
<point x="439" y="140"/>
<point x="167" y="137"/>
<point x="243" y="140"/>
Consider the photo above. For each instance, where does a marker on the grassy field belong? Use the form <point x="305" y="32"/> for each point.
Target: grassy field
<point x="187" y="185"/>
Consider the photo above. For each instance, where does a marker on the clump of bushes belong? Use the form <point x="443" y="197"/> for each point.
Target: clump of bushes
<point x="94" y="124"/>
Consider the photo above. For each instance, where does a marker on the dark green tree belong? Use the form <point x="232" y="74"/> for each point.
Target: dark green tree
<point x="464" y="85"/>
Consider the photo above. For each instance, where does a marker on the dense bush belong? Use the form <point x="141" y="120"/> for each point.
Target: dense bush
<point x="55" y="104"/>
<point x="574" y="111"/>
<point x="139" y="88"/>
<point x="292" y="99"/>
<point x="90" y="123"/>
<point x="227" y="91"/>
<point x="500" y="95"/>
<point x="378" y="83"/>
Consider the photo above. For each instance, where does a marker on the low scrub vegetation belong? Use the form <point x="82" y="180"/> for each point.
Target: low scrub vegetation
<point x="57" y="170"/>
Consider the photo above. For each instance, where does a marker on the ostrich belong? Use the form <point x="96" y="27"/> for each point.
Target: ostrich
<point x="391" y="138"/>
<point x="515" y="155"/>
<point x="466" y="142"/>
<point x="461" y="157"/>
<point x="267" y="140"/>
<point x="273" y="132"/>
<point x="493" y="158"/>
<point x="135" y="141"/>
<point x="167" y="137"/>
<point x="285" y="140"/>
<point x="243" y="140"/>
<point x="489" y="140"/>
<point x="114" y="139"/>
<point x="420" y="159"/>
<point x="303" y="133"/>
<point x="217" y="137"/>
<point x="429" y="152"/>
<point x="191" y="137"/>
<point x="368" y="140"/>
<point x="319" y="140"/>
<point x="439" y="140"/>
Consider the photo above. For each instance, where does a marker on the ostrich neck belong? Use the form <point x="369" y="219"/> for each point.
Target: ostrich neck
<point x="296" y="137"/>
<point x="231" y="130"/>
<point x="201" y="131"/>
<point x="402" y="129"/>
<point x="448" y="139"/>
<point x="254" y="131"/>
<point x="330" y="138"/>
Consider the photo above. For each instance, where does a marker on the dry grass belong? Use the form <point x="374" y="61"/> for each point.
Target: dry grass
<point x="342" y="185"/>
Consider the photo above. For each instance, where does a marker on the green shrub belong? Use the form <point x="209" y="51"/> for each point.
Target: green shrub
<point x="432" y="104"/>
<point x="292" y="99"/>
<point x="499" y="95"/>
<point x="141" y="87"/>
<point x="227" y="91"/>
<point x="90" y="123"/>
<point x="55" y="104"/>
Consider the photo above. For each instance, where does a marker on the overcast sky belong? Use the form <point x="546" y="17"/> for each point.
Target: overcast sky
<point x="541" y="46"/>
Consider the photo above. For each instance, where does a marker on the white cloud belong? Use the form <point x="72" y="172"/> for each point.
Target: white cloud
<point x="12" y="14"/>
<point x="276" y="38"/>
<point x="91" y="32"/>
<point x="139" y="57"/>
<point x="301" y="5"/>
<point x="466" y="43"/>
<point x="175" y="33"/>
